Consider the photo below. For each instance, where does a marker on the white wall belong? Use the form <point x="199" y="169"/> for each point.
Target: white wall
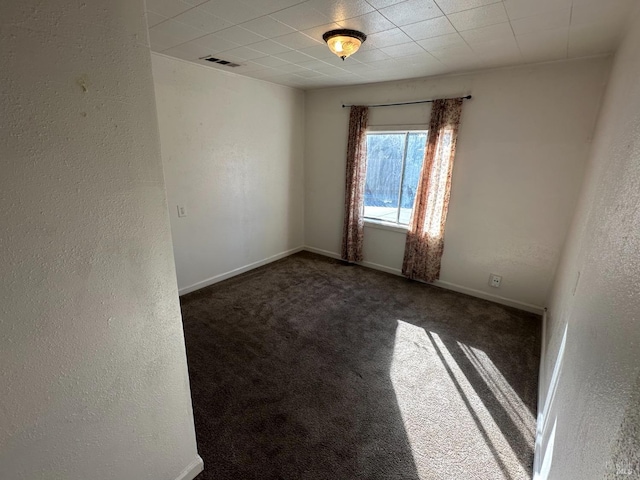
<point x="522" y="147"/>
<point x="597" y="398"/>
<point x="232" y="149"/>
<point x="93" y="374"/>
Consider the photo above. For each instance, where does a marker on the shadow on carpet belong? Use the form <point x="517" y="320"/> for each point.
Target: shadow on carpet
<point x="311" y="369"/>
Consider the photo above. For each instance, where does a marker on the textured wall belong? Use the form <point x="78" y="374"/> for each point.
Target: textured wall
<point x="92" y="362"/>
<point x="523" y="143"/>
<point x="596" y="297"/>
<point x="232" y="149"/>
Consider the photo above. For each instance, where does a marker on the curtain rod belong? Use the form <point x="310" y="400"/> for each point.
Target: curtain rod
<point x="468" y="97"/>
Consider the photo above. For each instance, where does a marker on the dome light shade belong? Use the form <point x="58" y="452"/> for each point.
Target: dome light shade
<point x="344" y="42"/>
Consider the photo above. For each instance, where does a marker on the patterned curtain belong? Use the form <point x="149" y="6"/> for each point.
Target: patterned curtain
<point x="354" y="191"/>
<point x="425" y="238"/>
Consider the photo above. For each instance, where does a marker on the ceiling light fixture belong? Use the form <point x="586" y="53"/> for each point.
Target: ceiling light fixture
<point x="344" y="42"/>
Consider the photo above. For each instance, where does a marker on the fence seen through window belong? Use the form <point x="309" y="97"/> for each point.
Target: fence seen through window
<point x="394" y="161"/>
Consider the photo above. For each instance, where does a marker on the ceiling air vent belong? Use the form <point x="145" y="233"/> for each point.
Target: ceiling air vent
<point x="226" y="63"/>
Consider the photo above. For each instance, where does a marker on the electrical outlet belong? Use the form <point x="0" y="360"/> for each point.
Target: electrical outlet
<point x="494" y="280"/>
<point x="182" y="211"/>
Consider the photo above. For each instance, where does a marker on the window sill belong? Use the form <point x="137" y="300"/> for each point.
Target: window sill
<point x="392" y="227"/>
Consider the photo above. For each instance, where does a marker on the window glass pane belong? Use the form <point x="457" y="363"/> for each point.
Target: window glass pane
<point x="413" y="164"/>
<point x="384" y="168"/>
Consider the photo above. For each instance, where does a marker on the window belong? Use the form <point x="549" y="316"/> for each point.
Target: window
<point x="394" y="160"/>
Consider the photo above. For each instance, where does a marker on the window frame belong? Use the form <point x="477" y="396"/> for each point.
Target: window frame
<point x="382" y="129"/>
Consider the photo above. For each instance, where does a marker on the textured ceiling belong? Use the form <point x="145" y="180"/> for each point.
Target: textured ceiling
<point x="281" y="40"/>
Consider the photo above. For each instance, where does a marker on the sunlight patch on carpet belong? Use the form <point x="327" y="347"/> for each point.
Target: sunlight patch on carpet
<point x="504" y="393"/>
<point x="438" y="401"/>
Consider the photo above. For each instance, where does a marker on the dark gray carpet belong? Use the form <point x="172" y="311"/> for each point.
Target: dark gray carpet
<point x="311" y="369"/>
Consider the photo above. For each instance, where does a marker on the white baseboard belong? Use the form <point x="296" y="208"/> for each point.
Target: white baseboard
<point x="382" y="268"/>
<point x="542" y="394"/>
<point x="325" y="253"/>
<point x="527" y="307"/>
<point x="439" y="283"/>
<point x="237" y="271"/>
<point x="192" y="470"/>
<point x="374" y="266"/>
